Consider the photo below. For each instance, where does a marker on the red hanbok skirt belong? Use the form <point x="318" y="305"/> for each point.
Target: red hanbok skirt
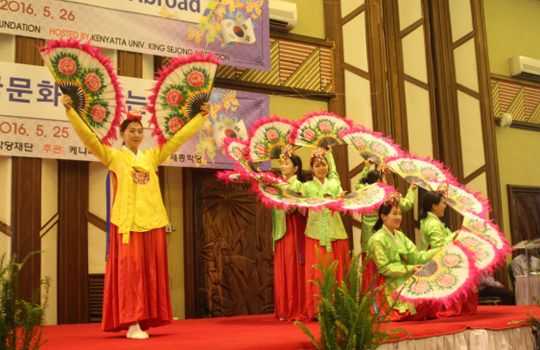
<point x="289" y="266"/>
<point x="137" y="281"/>
<point x="465" y="306"/>
<point x="340" y="252"/>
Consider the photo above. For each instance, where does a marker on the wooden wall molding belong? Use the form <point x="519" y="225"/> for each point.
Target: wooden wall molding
<point x="463" y="40"/>
<point x="353" y="14"/>
<point x="514" y="80"/>
<point x="48" y="225"/>
<point x="96" y="221"/>
<point x="432" y="81"/>
<point x="486" y="110"/>
<point x="474" y="174"/>
<point x="301" y="38"/>
<point x="357" y="71"/>
<point x="190" y="245"/>
<point x="334" y="32"/>
<point x="449" y="134"/>
<point x="416" y="82"/>
<point x="525" y="126"/>
<point x="377" y="66"/>
<point x="6" y="229"/>
<point x="273" y="89"/>
<point x="448" y="123"/>
<point x="26" y="220"/>
<point x="396" y="100"/>
<point x="410" y="28"/>
<point x="26" y="192"/>
<point x="73" y="242"/>
<point x="468" y="91"/>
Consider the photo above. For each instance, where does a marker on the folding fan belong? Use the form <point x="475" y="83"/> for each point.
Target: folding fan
<point x="245" y="171"/>
<point x="181" y="89"/>
<point x="237" y="150"/>
<point x="419" y="171"/>
<point x="365" y="200"/>
<point x="229" y="176"/>
<point x="450" y="274"/>
<point x="89" y="79"/>
<point x="320" y="130"/>
<point x="489" y="231"/>
<point x="464" y="200"/>
<point x="234" y="177"/>
<point x="277" y="196"/>
<point x="369" y="144"/>
<point x="267" y="137"/>
<point x="484" y="254"/>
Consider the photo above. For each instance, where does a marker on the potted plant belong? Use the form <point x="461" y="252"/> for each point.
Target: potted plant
<point x="346" y="317"/>
<point x="21" y="321"/>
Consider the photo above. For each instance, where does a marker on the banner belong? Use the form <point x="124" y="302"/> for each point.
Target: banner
<point x="33" y="121"/>
<point x="156" y="27"/>
<point x="183" y="10"/>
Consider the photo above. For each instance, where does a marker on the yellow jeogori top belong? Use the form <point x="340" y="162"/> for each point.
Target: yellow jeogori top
<point x="137" y="207"/>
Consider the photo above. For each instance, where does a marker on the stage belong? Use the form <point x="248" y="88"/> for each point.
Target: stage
<point x="488" y="329"/>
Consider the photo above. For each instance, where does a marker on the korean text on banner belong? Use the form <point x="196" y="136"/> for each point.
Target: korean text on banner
<point x="33" y="122"/>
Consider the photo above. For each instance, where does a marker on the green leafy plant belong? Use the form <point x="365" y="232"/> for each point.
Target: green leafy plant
<point x="21" y="321"/>
<point x="346" y="315"/>
<point x="534" y="320"/>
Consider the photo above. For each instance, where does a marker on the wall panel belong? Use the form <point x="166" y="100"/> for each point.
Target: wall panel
<point x="72" y="242"/>
<point x="49" y="233"/>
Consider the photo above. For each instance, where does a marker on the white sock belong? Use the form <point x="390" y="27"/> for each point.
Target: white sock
<point x="135" y="332"/>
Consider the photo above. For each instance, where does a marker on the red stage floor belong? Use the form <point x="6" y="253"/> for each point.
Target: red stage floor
<point x="256" y="332"/>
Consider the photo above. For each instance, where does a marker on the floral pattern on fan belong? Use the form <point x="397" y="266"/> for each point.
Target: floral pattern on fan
<point x="464" y="200"/>
<point x="250" y="177"/>
<point x="66" y="65"/>
<point x="236" y="150"/>
<point x="176" y="98"/>
<point x="369" y="144"/>
<point x="94" y="81"/>
<point x="182" y="88"/>
<point x="365" y="200"/>
<point x="82" y="73"/>
<point x="267" y="137"/>
<point x="420" y="171"/>
<point x="97" y="113"/>
<point x="483" y="251"/>
<point x="91" y="84"/>
<point x="451" y="272"/>
<point x="319" y="130"/>
<point x="197" y="79"/>
<point x="487" y="230"/>
<point x="273" y="195"/>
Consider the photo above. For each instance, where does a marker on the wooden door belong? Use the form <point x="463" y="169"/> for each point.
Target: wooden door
<point x="524" y="204"/>
<point x="229" y="249"/>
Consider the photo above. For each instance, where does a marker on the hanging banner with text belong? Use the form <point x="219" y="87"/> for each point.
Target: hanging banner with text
<point x="33" y="121"/>
<point x="236" y="31"/>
